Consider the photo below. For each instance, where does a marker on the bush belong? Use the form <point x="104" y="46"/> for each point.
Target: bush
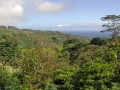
<point x="8" y="81"/>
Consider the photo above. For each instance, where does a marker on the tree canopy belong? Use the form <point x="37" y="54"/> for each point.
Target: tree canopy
<point x="113" y="24"/>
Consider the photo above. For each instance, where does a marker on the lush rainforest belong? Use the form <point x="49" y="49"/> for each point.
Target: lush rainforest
<point x="51" y="60"/>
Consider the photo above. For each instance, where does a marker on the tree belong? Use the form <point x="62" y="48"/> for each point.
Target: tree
<point x="70" y="42"/>
<point x="9" y="81"/>
<point x="113" y="24"/>
<point x="9" y="51"/>
<point x="63" y="77"/>
<point x="98" y="75"/>
<point x="37" y="64"/>
<point x="96" y="41"/>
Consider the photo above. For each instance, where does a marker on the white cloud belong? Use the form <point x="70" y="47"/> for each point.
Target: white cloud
<point x="60" y="25"/>
<point x="51" y="7"/>
<point x="10" y="11"/>
<point x="63" y="25"/>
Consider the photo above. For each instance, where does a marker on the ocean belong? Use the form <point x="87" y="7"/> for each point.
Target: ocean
<point x="90" y="34"/>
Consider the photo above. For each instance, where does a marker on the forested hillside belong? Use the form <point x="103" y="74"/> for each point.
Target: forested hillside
<point x="24" y="35"/>
<point x="47" y="60"/>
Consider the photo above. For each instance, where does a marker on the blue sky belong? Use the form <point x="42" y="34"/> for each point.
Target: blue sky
<point x="57" y="14"/>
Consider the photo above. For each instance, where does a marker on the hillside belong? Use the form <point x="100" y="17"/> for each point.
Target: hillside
<point x="24" y="35"/>
<point x="51" y="60"/>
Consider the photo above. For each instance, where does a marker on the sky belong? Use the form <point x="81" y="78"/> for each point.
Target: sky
<point x="57" y="14"/>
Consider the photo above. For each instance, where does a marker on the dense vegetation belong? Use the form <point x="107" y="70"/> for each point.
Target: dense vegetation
<point x="39" y="60"/>
<point x="25" y="35"/>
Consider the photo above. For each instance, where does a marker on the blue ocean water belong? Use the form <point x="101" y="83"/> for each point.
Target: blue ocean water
<point x="90" y="34"/>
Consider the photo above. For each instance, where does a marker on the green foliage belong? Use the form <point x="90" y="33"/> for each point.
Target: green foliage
<point x="110" y="55"/>
<point x="29" y="66"/>
<point x="63" y="78"/>
<point x="71" y="50"/>
<point x="9" y="50"/>
<point x="99" y="41"/>
<point x="25" y="35"/>
<point x="37" y="63"/>
<point x="8" y="81"/>
<point x="56" y="61"/>
<point x="60" y="38"/>
<point x="71" y="41"/>
<point x="50" y="87"/>
<point x="96" y="76"/>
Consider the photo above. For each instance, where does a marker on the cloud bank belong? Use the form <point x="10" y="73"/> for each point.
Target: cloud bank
<point x="50" y="7"/>
<point x="79" y="25"/>
<point x="12" y="11"/>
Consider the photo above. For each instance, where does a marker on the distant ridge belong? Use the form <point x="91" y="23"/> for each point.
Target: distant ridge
<point x="24" y="35"/>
